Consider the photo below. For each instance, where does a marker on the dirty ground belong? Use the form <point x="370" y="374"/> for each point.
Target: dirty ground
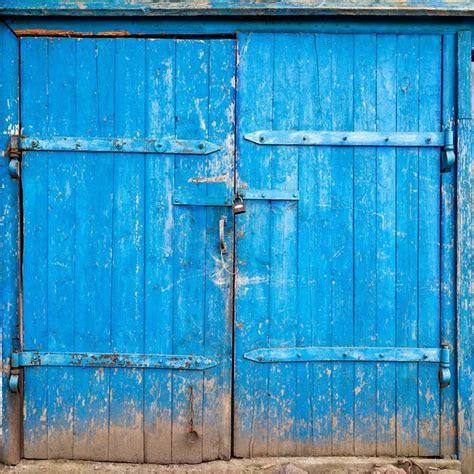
<point x="336" y="465"/>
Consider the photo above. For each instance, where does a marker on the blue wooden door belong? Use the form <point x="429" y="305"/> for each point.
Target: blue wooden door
<point x="339" y="259"/>
<point x="111" y="265"/>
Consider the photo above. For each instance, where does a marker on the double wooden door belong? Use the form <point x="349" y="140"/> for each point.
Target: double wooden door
<point x="155" y="319"/>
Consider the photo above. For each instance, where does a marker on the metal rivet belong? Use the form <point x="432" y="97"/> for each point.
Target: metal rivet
<point x="386" y="139"/>
<point x="260" y="358"/>
<point x="261" y="138"/>
<point x="34" y="143"/>
<point x="263" y="195"/>
<point x="201" y="146"/>
<point x="298" y="354"/>
<point x="425" y="356"/>
<point x="78" y="144"/>
<point x="344" y="138"/>
<point x="344" y="355"/>
<point x="381" y="356"/>
<point x="304" y="139"/>
<point x="117" y="144"/>
<point x="295" y="195"/>
<point x="176" y="200"/>
<point x="428" y="140"/>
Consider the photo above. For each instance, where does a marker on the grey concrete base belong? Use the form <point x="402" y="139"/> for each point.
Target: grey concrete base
<point x="281" y="465"/>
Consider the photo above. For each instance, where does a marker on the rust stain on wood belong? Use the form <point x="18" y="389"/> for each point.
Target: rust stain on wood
<point x="68" y="33"/>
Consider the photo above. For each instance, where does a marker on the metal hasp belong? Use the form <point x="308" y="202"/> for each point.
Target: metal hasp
<point x="165" y="145"/>
<point x="357" y="354"/>
<point x="378" y="139"/>
<point x="247" y="195"/>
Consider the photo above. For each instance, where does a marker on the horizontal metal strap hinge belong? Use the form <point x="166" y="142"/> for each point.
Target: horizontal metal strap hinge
<point x="164" y="145"/>
<point x="247" y="194"/>
<point x="356" y="354"/>
<point x="113" y="360"/>
<point x="377" y="139"/>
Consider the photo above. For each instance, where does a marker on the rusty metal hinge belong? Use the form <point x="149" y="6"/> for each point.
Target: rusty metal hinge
<point x="14" y="154"/>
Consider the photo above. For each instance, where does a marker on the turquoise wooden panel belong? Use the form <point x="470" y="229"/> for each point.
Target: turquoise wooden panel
<point x="111" y="265"/>
<point x="366" y="232"/>
<point x="465" y="253"/>
<point x="9" y="246"/>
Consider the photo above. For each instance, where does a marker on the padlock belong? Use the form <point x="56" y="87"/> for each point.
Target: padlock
<point x="238" y="206"/>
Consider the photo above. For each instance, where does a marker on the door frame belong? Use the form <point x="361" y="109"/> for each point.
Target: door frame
<point x="10" y="231"/>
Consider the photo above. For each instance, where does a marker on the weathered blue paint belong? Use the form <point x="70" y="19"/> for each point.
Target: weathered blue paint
<point x="111" y="266"/>
<point x="178" y="25"/>
<point x="227" y="7"/>
<point x="311" y="137"/>
<point x="363" y="354"/>
<point x="340" y="248"/>
<point x="114" y="360"/>
<point x="354" y="262"/>
<point x="465" y="252"/>
<point x="9" y="244"/>
<point x="167" y="146"/>
<point x="448" y="255"/>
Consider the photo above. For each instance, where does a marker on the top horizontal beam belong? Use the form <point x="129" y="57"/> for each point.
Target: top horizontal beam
<point x="235" y="7"/>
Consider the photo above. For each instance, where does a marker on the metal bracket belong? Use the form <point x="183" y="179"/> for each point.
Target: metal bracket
<point x="113" y="360"/>
<point x="164" y="145"/>
<point x="449" y="157"/>
<point x="357" y="354"/>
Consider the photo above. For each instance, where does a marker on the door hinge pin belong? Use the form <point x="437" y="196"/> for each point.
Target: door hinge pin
<point x="448" y="156"/>
<point x="14" y="154"/>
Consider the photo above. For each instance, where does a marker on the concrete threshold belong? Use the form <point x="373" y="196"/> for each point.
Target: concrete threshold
<point x="276" y="465"/>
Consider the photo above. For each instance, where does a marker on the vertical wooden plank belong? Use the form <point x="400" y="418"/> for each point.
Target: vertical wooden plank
<point x="342" y="204"/>
<point x="407" y="244"/>
<point x="93" y="263"/>
<point x="34" y="67"/>
<point x="254" y="111"/>
<point x="192" y="61"/>
<point x="159" y="245"/>
<point x="126" y="387"/>
<point x="61" y="247"/>
<point x="386" y="243"/>
<point x="283" y="244"/>
<point x="218" y="272"/>
<point x="313" y="397"/>
<point x="465" y="252"/>
<point x="319" y="236"/>
<point x="448" y="255"/>
<point x="365" y="243"/>
<point x="429" y="245"/>
<point x="9" y="245"/>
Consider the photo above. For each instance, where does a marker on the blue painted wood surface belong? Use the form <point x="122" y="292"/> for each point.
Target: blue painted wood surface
<point x="226" y="7"/>
<point x="353" y="260"/>
<point x="9" y="245"/>
<point x="465" y="252"/>
<point x="366" y="231"/>
<point x="111" y="265"/>
<point x="113" y="26"/>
